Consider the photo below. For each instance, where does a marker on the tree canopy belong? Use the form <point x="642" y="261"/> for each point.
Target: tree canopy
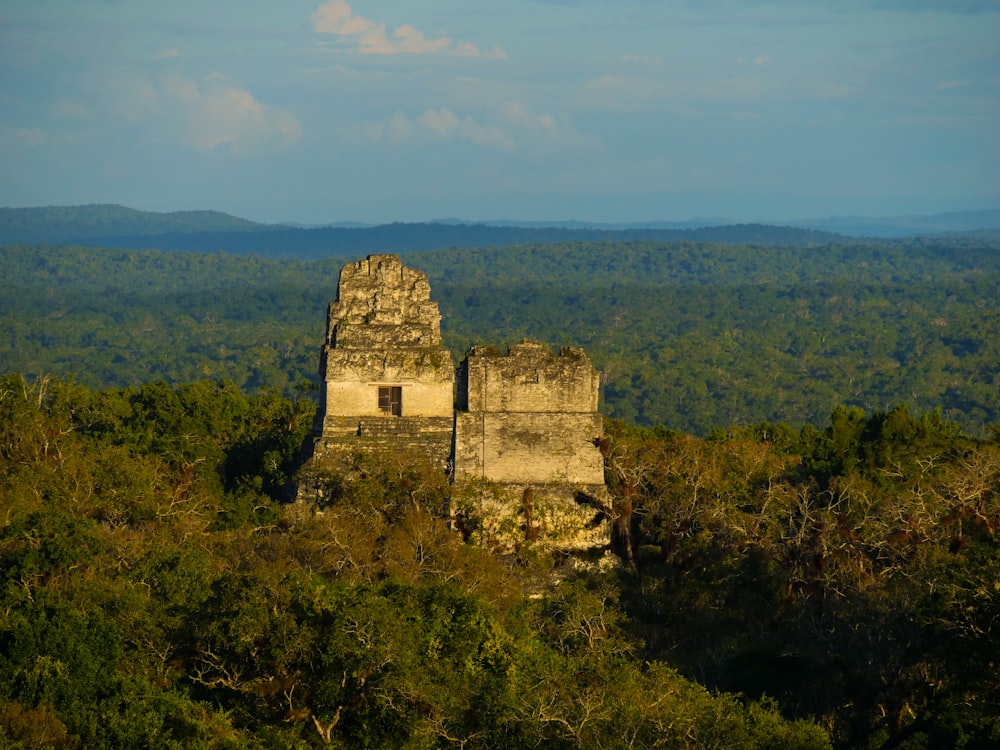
<point x="689" y="335"/>
<point x="155" y="592"/>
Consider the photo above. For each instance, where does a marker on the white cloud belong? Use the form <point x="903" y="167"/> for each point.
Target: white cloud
<point x="167" y="54"/>
<point x="217" y="114"/>
<point x="336" y="17"/>
<point x="396" y="129"/>
<point x="409" y="40"/>
<point x="488" y="135"/>
<point x="399" y="128"/>
<point x="21" y="140"/>
<point x="759" y="60"/>
<point x="520" y="116"/>
<point x="133" y="98"/>
<point x="507" y="129"/>
<point x="441" y="121"/>
<point x="69" y="110"/>
<point x="948" y="85"/>
<point x="446" y="124"/>
<point x="31" y="136"/>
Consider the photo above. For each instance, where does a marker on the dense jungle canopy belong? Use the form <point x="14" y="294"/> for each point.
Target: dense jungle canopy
<point x="688" y="335"/>
<point x="828" y="587"/>
<point x="802" y="446"/>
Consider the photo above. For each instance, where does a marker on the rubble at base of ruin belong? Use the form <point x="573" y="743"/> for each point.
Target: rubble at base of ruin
<point x="515" y="431"/>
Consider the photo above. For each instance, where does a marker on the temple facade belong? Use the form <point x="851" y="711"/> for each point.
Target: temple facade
<point x="516" y="431"/>
<point x="388" y="383"/>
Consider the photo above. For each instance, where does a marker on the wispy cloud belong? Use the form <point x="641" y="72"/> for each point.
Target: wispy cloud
<point x="508" y="128"/>
<point x="167" y="54"/>
<point x="219" y="114"/>
<point x="965" y="7"/>
<point x="31" y="136"/>
<point x="396" y="129"/>
<point x="369" y="37"/>
<point x="642" y="59"/>
<point x="759" y="60"/>
<point x="445" y="123"/>
<point x="616" y="91"/>
<point x="65" y="109"/>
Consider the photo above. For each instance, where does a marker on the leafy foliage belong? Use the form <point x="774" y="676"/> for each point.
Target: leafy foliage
<point x="686" y="334"/>
<point x="849" y="573"/>
<point x="781" y="585"/>
<point x="138" y="611"/>
<point x="794" y="588"/>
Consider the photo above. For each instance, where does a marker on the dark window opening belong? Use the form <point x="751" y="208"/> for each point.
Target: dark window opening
<point x="390" y="400"/>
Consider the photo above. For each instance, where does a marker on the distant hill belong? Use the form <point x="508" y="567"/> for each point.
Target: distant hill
<point x="307" y="244"/>
<point x="906" y="226"/>
<point x="697" y="223"/>
<point x="211" y="231"/>
<point x="59" y="225"/>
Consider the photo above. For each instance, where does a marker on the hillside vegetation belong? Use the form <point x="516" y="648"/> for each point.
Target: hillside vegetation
<point x="153" y="593"/>
<point x="806" y="508"/>
<point x="778" y="589"/>
<point x="61" y="224"/>
<point x="690" y="335"/>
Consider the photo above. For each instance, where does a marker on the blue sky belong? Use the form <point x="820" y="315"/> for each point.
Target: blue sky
<point x="384" y="110"/>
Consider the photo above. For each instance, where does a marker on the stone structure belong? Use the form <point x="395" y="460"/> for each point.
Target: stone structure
<point x="526" y="426"/>
<point x="518" y="436"/>
<point x="528" y="417"/>
<point x="388" y="381"/>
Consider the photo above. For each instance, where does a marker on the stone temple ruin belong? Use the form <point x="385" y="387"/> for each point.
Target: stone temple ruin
<point x="517" y="432"/>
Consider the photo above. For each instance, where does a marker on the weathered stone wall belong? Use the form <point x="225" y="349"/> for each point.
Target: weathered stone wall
<point x="528" y="416"/>
<point x="528" y="447"/>
<point x="361" y="400"/>
<point x="383" y="331"/>
<point x="427" y="439"/>
<point x="353" y="377"/>
<point x="528" y="379"/>
<point x="381" y="291"/>
<point x="506" y="517"/>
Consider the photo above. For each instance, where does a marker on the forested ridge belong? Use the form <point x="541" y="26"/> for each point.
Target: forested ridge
<point x="112" y="225"/>
<point x="833" y="586"/>
<point x="690" y="335"/>
<point x="62" y="224"/>
<point x="211" y="231"/>
<point x="320" y="242"/>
